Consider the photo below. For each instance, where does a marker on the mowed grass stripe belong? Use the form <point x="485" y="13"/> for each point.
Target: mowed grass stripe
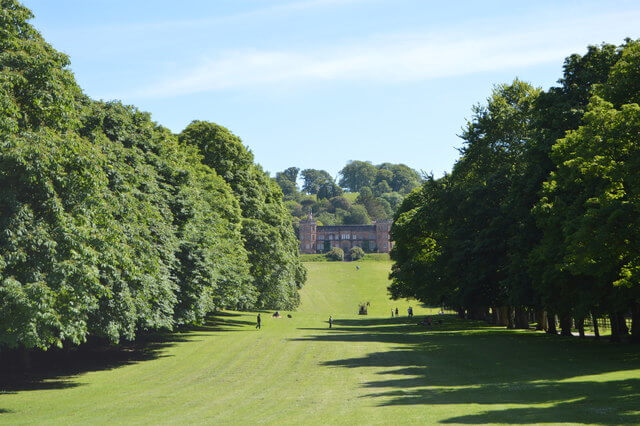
<point x="366" y="370"/>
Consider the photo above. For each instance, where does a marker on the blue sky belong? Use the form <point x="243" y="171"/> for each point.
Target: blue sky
<point x="315" y="83"/>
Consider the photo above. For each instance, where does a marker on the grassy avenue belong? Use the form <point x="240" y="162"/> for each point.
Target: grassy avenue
<point x="365" y="370"/>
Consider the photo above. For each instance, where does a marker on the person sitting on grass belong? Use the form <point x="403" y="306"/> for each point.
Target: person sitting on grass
<point x="426" y="321"/>
<point x="276" y="314"/>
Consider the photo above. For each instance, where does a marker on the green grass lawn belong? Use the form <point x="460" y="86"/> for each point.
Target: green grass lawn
<point x="366" y="370"/>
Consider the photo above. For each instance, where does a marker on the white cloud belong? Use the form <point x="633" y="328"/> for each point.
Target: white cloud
<point x="392" y="59"/>
<point x="263" y="12"/>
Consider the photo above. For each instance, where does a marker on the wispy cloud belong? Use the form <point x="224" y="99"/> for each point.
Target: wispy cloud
<point x="389" y="59"/>
<point x="261" y="12"/>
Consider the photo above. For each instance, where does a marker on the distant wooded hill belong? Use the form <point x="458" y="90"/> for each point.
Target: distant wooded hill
<point x="363" y="192"/>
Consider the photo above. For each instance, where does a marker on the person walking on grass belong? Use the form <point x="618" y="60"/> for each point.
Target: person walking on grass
<point x="330" y="321"/>
<point x="258" y="322"/>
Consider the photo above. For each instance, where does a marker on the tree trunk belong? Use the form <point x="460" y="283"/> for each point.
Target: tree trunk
<point x="494" y="315"/>
<point x="615" y="334"/>
<point x="596" y="329"/>
<point x="511" y="317"/>
<point x="622" y="325"/>
<point x="635" y="322"/>
<point x="619" y="329"/>
<point x="565" y="325"/>
<point x="580" y="326"/>
<point x="25" y="358"/>
<point x="521" y="318"/>
<point x="478" y="313"/>
<point x="541" y="320"/>
<point x="504" y="316"/>
<point x="551" y="323"/>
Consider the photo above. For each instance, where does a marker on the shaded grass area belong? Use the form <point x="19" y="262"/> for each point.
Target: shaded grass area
<point x="556" y="379"/>
<point x="58" y="369"/>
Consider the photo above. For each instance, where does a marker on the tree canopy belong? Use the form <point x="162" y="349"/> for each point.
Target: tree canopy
<point x="112" y="225"/>
<point x="538" y="215"/>
<point x="377" y="192"/>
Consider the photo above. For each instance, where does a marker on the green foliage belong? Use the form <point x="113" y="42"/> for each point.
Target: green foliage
<point x="539" y="212"/>
<point x="335" y="254"/>
<point x="111" y="226"/>
<point x="404" y="179"/>
<point x="384" y="178"/>
<point x="291" y="174"/>
<point x="356" y="253"/>
<point x="36" y="88"/>
<point x="381" y="187"/>
<point x="357" y="175"/>
<point x="623" y="81"/>
<point x="329" y="189"/>
<point x="376" y="257"/>
<point x="314" y="179"/>
<point x="314" y="257"/>
<point x="376" y="208"/>
<point x="266" y="226"/>
<point x="593" y="195"/>
<point x="287" y="180"/>
<point x="357" y="215"/>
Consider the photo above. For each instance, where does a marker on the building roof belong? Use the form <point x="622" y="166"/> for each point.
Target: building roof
<point x="337" y="228"/>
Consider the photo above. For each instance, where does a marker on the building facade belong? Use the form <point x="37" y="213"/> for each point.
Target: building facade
<point x="320" y="239"/>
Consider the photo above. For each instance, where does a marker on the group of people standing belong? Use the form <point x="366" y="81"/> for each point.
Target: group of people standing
<point x="409" y="312"/>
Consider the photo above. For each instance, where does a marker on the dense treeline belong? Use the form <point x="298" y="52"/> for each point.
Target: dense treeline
<point x="377" y="192"/>
<point x="540" y="216"/>
<point x="110" y="224"/>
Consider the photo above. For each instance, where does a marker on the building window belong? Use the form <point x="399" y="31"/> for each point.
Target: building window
<point x="321" y="237"/>
<point x="331" y="236"/>
<point x="345" y="236"/>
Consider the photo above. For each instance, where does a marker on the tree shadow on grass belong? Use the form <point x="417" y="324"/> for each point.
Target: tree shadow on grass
<point x="59" y="369"/>
<point x="553" y="378"/>
<point x="224" y="321"/>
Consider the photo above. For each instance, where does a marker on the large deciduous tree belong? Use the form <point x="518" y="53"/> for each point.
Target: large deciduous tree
<point x="266" y="226"/>
<point x="357" y="175"/>
<point x="314" y="179"/>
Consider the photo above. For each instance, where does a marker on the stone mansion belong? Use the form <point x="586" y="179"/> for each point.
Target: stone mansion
<point x="320" y="239"/>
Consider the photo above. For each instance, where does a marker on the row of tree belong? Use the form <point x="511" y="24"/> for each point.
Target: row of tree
<point x="540" y="216"/>
<point x="379" y="190"/>
<point x="110" y="224"/>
